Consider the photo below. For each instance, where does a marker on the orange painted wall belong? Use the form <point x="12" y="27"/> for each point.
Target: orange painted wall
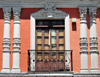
<point x="25" y="37"/>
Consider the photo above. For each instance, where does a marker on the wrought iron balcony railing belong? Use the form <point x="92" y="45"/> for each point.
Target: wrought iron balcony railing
<point x="51" y="60"/>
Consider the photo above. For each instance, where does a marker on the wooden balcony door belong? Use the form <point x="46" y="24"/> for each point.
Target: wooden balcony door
<point x="50" y="48"/>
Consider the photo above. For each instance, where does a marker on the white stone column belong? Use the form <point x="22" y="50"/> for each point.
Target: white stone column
<point x="16" y="40"/>
<point x="83" y="40"/>
<point x="67" y="43"/>
<point x="93" y="40"/>
<point x="6" y="40"/>
<point x="32" y="53"/>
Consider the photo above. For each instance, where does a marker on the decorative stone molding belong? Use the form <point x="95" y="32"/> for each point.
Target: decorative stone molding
<point x="7" y="13"/>
<point x="16" y="13"/>
<point x="49" y="11"/>
<point x="92" y="12"/>
<point x="83" y="13"/>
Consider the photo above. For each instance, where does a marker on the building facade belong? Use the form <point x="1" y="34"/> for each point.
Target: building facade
<point x="50" y="38"/>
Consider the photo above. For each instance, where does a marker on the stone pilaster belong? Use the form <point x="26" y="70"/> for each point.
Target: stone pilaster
<point x="83" y="40"/>
<point x="16" y="40"/>
<point x="93" y="40"/>
<point x="6" y="40"/>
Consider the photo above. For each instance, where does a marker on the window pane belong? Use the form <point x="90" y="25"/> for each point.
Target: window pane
<point x="39" y="40"/>
<point x="61" y="32"/>
<point x="54" y="48"/>
<point x="61" y="47"/>
<point x="39" y="47"/>
<point x="54" y="22"/>
<point x="39" y="23"/>
<point x="46" y="23"/>
<point x="39" y="32"/>
<point x="53" y="40"/>
<point x="53" y="32"/>
<point x="61" y="40"/>
<point x="60" y="22"/>
<point x="46" y="39"/>
<point x="46" y="32"/>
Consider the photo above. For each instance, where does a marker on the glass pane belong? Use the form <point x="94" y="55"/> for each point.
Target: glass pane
<point x="46" y="47"/>
<point x="39" y="47"/>
<point x="39" y="56"/>
<point x="61" y="56"/>
<point x="54" y="56"/>
<point x="39" y="32"/>
<point x="39" y="40"/>
<point x="46" y="39"/>
<point x="53" y="47"/>
<point x="60" y="22"/>
<point x="46" y="23"/>
<point x="61" y="40"/>
<point x="46" y="57"/>
<point x="61" y="47"/>
<point x="61" y="32"/>
<point x="39" y="23"/>
<point x="53" y="32"/>
<point x="53" y="40"/>
<point x="46" y="32"/>
<point x="54" y="22"/>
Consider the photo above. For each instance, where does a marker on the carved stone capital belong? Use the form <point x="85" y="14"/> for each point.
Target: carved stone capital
<point x="16" y="13"/>
<point x="83" y="12"/>
<point x="92" y="12"/>
<point x="7" y="13"/>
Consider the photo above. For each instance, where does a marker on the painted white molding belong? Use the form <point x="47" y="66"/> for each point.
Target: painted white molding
<point x="16" y="40"/>
<point x="83" y="40"/>
<point x="41" y="3"/>
<point x="6" y="40"/>
<point x="49" y="12"/>
<point x="93" y="41"/>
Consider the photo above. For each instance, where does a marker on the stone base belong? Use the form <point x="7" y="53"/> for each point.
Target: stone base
<point x="5" y="70"/>
<point x="84" y="71"/>
<point x="94" y="71"/>
<point x="15" y="70"/>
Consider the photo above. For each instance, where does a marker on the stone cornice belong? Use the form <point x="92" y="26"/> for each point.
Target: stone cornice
<point x="16" y="13"/>
<point x="58" y="3"/>
<point x="7" y="13"/>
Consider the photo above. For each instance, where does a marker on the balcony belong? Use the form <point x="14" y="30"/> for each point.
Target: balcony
<point x="51" y="60"/>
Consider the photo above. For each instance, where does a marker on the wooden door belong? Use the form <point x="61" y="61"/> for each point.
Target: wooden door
<point x="50" y="48"/>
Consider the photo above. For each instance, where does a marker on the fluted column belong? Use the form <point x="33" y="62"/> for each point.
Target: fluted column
<point x="93" y="40"/>
<point x="6" y="40"/>
<point x="16" y="40"/>
<point x="83" y="40"/>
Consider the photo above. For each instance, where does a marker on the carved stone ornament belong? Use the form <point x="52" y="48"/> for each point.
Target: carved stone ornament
<point x="16" y="12"/>
<point x="83" y="12"/>
<point x="92" y="12"/>
<point x="49" y="11"/>
<point x="7" y="13"/>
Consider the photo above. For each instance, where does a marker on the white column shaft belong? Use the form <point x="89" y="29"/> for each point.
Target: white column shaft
<point x="32" y="53"/>
<point x="83" y="30"/>
<point x="16" y="40"/>
<point x="16" y="30"/>
<point x="67" y="43"/>
<point x="83" y="40"/>
<point x="93" y="30"/>
<point x="6" y="29"/>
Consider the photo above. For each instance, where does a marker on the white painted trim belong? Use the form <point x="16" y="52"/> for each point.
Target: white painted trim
<point x="43" y="14"/>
